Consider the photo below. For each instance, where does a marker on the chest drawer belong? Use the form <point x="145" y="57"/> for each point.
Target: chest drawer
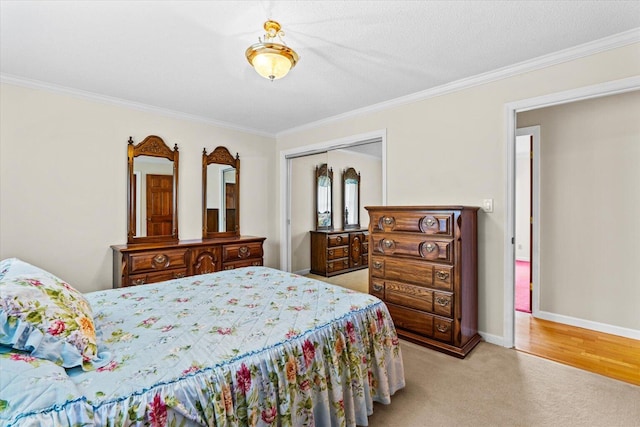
<point x="337" y="252"/>
<point x="155" y="276"/>
<point x="238" y="252"/>
<point x="411" y="320"/>
<point x="413" y="245"/>
<point x="417" y="272"/>
<point x="158" y="260"/>
<point x="412" y="296"/>
<point x="433" y="223"/>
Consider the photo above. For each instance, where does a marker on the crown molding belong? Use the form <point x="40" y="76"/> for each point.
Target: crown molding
<point x="37" y="84"/>
<point x="565" y="55"/>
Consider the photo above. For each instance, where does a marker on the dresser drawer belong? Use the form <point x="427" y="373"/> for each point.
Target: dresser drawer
<point x="406" y="295"/>
<point x="158" y="260"/>
<point x="377" y="288"/>
<point x="333" y="266"/>
<point x="413" y="245"/>
<point x="337" y="240"/>
<point x="238" y="252"/>
<point x="155" y="276"/>
<point x="443" y="329"/>
<point x="434" y="223"/>
<point x="443" y="277"/>
<point x="406" y="270"/>
<point x="337" y="252"/>
<point x="443" y="304"/>
<point x="252" y="262"/>
<point x="411" y="320"/>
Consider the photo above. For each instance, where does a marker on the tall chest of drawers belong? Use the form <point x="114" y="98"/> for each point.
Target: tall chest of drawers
<point x="339" y="251"/>
<point x="423" y="263"/>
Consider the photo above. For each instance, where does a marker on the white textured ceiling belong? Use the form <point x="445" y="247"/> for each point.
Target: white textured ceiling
<point x="188" y="56"/>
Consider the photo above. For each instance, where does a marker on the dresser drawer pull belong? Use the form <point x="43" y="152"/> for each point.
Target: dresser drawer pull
<point x="442" y="301"/>
<point x="339" y="239"/>
<point x="377" y="288"/>
<point x="442" y="275"/>
<point x="442" y="328"/>
<point x="377" y="264"/>
<point x="331" y="252"/>
<point x="388" y="243"/>
<point x="243" y="252"/>
<point x="388" y="220"/>
<point x="160" y="259"/>
<point x="430" y="247"/>
<point x="430" y="222"/>
<point x="137" y="282"/>
<point x="356" y="249"/>
<point x="180" y="275"/>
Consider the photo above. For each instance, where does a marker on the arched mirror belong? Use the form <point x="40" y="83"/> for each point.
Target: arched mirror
<point x="220" y="194"/>
<point x="350" y="198"/>
<point x="152" y="191"/>
<point x="324" y="197"/>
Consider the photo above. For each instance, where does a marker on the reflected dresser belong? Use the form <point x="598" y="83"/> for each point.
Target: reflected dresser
<point x="339" y="251"/>
<point x="423" y="263"/>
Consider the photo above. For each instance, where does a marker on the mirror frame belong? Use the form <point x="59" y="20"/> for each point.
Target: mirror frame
<point x="220" y="155"/>
<point x="152" y="146"/>
<point x="350" y="173"/>
<point x="323" y="170"/>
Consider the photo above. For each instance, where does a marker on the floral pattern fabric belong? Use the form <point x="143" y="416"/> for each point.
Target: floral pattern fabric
<point x="253" y="346"/>
<point x="45" y="316"/>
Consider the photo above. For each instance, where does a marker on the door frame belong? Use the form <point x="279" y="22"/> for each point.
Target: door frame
<point x="534" y="237"/>
<point x="511" y="109"/>
<point x="286" y="156"/>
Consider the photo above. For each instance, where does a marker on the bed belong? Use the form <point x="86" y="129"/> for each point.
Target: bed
<point x="252" y="346"/>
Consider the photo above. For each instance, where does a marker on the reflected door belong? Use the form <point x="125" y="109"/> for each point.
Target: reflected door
<point x="230" y="203"/>
<point x="159" y="205"/>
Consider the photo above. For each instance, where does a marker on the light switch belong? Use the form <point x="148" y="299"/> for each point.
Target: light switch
<point x="487" y="205"/>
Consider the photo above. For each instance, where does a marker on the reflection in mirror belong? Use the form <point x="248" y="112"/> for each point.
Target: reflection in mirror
<point x="152" y="191"/>
<point x="350" y="198"/>
<point x="324" y="197"/>
<point x="220" y="194"/>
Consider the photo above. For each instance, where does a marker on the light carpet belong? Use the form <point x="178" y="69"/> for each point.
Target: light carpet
<point x="495" y="386"/>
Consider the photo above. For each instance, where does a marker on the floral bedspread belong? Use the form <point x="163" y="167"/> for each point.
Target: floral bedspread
<point x="253" y="346"/>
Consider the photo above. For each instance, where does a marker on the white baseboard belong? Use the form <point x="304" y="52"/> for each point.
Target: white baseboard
<point x="589" y="324"/>
<point x="492" y="339"/>
<point x="303" y="272"/>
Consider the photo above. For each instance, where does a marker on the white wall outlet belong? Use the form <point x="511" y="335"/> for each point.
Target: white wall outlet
<point x="487" y="205"/>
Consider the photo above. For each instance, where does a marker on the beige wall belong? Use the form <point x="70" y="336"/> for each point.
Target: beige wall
<point x="589" y="208"/>
<point x="63" y="166"/>
<point x="451" y="149"/>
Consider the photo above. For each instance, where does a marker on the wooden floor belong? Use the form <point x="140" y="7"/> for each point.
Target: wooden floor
<point x="605" y="354"/>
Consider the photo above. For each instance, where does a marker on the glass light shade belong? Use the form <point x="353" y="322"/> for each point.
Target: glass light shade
<point x="271" y="60"/>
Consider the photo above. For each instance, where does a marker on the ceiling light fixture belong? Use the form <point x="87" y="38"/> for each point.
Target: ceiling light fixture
<point x="271" y="60"/>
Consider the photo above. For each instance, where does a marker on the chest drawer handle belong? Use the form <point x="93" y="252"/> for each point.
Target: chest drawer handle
<point x="430" y="247"/>
<point x="442" y="328"/>
<point x="377" y="264"/>
<point x="377" y="288"/>
<point x="180" y="275"/>
<point x="430" y="222"/>
<point x="442" y="301"/>
<point x="442" y="275"/>
<point x="331" y="252"/>
<point x="137" y="282"/>
<point x="388" y="220"/>
<point x="388" y="243"/>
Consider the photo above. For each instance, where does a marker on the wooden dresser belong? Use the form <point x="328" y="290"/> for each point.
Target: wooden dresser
<point x="339" y="251"/>
<point x="424" y="266"/>
<point x="137" y="264"/>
